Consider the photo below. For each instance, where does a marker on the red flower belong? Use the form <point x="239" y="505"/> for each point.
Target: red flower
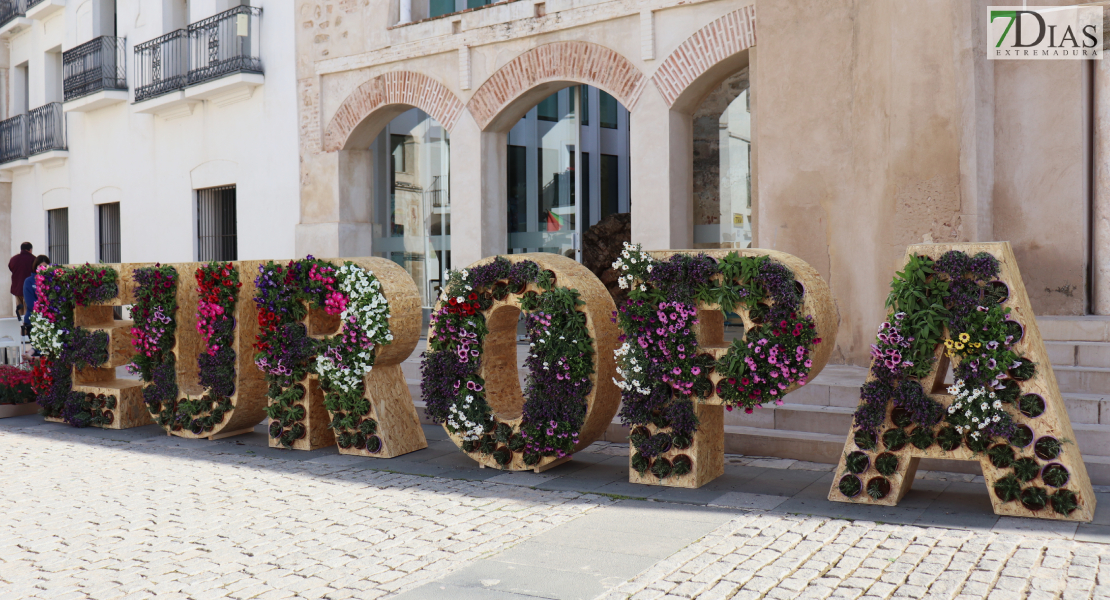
<point x="473" y="296"/>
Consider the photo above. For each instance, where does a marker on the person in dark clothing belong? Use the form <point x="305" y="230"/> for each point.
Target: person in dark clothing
<point x="30" y="294"/>
<point x="22" y="266"/>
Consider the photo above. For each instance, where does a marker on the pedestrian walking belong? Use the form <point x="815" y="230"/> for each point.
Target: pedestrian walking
<point x="30" y="294"/>
<point x="22" y="266"/>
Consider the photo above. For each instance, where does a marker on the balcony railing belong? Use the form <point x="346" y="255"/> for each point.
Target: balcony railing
<point x="10" y="9"/>
<point x="221" y="45"/>
<point x="95" y="66"/>
<point x="161" y="65"/>
<point x="34" y="3"/>
<point x="224" y="44"/>
<point x="46" y="127"/>
<point x="13" y="139"/>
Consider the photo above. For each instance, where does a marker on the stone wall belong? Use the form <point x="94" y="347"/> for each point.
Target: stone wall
<point x="875" y="125"/>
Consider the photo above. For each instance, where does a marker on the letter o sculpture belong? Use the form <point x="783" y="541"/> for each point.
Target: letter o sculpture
<point x="469" y="373"/>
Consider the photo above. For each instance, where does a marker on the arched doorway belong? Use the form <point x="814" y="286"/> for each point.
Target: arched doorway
<point x="567" y="169"/>
<point x="722" y="191"/>
<point x="411" y="200"/>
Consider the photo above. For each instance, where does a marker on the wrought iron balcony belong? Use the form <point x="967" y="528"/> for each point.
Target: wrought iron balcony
<point x="161" y="65"/>
<point x="95" y="66"/>
<point x="225" y="44"/>
<point x="46" y="126"/>
<point x="34" y="3"/>
<point x="10" y="9"/>
<point x="221" y="45"/>
<point x="13" y="139"/>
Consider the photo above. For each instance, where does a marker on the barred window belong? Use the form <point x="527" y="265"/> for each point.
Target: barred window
<point x="57" y="235"/>
<point x="109" y="233"/>
<point x="216" y="224"/>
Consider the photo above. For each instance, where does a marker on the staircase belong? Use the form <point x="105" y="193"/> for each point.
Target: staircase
<point x="815" y="422"/>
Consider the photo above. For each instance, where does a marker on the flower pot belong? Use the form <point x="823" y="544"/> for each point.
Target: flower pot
<point x="1047" y="448"/>
<point x="850" y="486"/>
<point x="1031" y="405"/>
<point x="1022" y="437"/>
<point x="857" y="462"/>
<point x="1055" y="475"/>
<point x="373" y="444"/>
<point x="878" y="488"/>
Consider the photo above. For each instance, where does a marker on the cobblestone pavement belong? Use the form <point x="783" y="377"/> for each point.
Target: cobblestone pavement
<point x="94" y="518"/>
<point x="101" y="519"/>
<point x="762" y="555"/>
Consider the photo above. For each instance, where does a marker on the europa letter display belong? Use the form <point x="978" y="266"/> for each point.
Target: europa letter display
<point x="469" y="372"/>
<point x="964" y="306"/>
<point x="332" y="335"/>
<point x="193" y="328"/>
<point x="82" y="344"/>
<point x="678" y="374"/>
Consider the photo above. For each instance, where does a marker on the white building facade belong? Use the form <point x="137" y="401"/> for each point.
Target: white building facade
<point x="150" y="130"/>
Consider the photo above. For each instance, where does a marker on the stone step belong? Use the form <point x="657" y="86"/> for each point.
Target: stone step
<point x="1079" y="354"/>
<point x="1089" y="328"/>
<point x="1083" y="380"/>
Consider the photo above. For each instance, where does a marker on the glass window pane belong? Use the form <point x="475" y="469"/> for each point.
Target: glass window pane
<point x="607" y="106"/>
<point x="610" y="184"/>
<point x="438" y="8"/>
<point x="411" y="199"/>
<point x="548" y="108"/>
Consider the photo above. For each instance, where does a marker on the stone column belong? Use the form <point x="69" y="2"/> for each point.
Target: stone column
<point x="479" y="205"/>
<point x="335" y="215"/>
<point x="406" y="12"/>
<point x="662" y="148"/>
<point x="1100" y="196"/>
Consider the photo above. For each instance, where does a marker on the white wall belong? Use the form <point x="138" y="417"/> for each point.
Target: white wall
<point x="154" y="163"/>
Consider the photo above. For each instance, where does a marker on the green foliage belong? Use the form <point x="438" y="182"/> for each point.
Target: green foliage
<point x="921" y="437"/>
<point x="894" y="439"/>
<point x="1026" y="469"/>
<point x="856" y="462"/>
<point x="1007" y="489"/>
<point x="850" y="485"/>
<point x="878" y="488"/>
<point x="865" y="440"/>
<point x="681" y="465"/>
<point x="917" y="292"/>
<point x="1047" y="448"/>
<point x="1034" y="498"/>
<point x="1032" y="405"/>
<point x="640" y="463"/>
<point x="661" y="467"/>
<point x="1064" y="502"/>
<point x="1001" y="456"/>
<point x="1055" y="475"/>
<point x="886" y="464"/>
<point x="949" y="439"/>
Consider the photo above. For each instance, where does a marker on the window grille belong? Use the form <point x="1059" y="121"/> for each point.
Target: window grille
<point x="216" y="224"/>
<point x="57" y="235"/>
<point x="109" y="233"/>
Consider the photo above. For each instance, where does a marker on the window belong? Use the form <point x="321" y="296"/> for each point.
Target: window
<point x="477" y="3"/>
<point x="610" y="187"/>
<point x="438" y="8"/>
<point x="607" y="106"/>
<point x="401" y="147"/>
<point x="109" y="233"/>
<point x="518" y="188"/>
<point x="585" y="91"/>
<point x="57" y="235"/>
<point x="548" y="108"/>
<point x="216" y="226"/>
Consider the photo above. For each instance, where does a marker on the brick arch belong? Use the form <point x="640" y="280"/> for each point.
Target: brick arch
<point x="707" y="57"/>
<point x="397" y="90"/>
<point x="553" y="64"/>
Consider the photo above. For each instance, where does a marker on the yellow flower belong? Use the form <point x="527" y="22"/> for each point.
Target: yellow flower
<point x="977" y="345"/>
<point x="959" y="346"/>
<point x="964" y="337"/>
<point x="948" y="343"/>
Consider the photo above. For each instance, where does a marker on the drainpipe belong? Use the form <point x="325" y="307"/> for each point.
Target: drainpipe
<point x="406" y="12"/>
